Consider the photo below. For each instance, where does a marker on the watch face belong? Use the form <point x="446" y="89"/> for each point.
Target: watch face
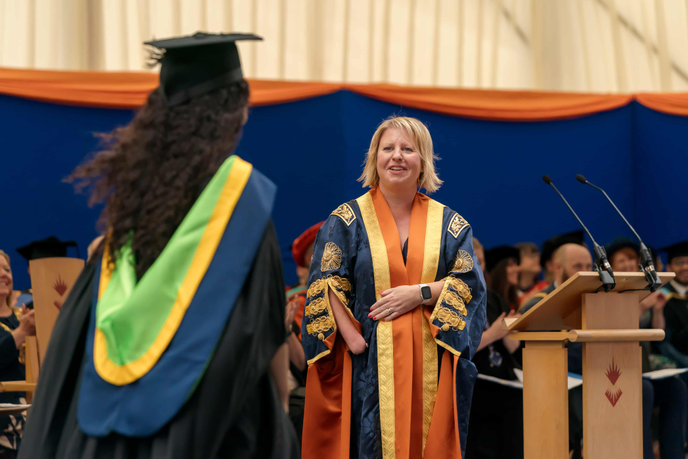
<point x="426" y="292"/>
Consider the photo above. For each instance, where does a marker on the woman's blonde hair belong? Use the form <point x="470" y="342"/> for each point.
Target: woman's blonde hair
<point x="420" y="136"/>
<point x="8" y="300"/>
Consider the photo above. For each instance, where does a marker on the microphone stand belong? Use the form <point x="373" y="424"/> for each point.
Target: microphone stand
<point x="601" y="265"/>
<point x="646" y="264"/>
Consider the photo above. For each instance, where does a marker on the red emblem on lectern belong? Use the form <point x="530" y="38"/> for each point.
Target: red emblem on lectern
<point x="613" y="373"/>
<point x="613" y="397"/>
<point x="60" y="286"/>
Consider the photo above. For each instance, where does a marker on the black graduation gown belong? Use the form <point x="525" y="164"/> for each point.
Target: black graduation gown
<point x="234" y="412"/>
<point x="10" y="370"/>
<point x="496" y="424"/>
<point x="676" y="317"/>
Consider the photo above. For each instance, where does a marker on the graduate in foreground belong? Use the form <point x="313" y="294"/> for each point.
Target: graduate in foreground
<point x="164" y="348"/>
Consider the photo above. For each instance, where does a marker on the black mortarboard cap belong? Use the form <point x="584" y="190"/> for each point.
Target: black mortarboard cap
<point x="197" y="64"/>
<point x="680" y="249"/>
<point x="46" y="248"/>
<point x="619" y="243"/>
<point x="496" y="254"/>
<point x="552" y="244"/>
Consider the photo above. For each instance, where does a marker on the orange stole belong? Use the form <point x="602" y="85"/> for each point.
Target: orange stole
<point x="443" y="438"/>
<point x="327" y="417"/>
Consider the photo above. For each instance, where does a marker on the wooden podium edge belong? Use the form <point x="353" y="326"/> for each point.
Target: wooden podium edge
<point x="589" y="336"/>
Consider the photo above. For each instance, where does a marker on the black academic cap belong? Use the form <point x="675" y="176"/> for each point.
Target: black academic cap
<point x="619" y="243"/>
<point x="552" y="244"/>
<point x="45" y="248"/>
<point x="680" y="249"/>
<point x="496" y="254"/>
<point x="197" y="64"/>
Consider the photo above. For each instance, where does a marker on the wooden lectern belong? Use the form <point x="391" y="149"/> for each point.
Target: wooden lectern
<point x="52" y="280"/>
<point x="607" y="325"/>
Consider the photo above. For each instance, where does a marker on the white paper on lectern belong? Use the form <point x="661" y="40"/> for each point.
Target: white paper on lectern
<point x="573" y="380"/>
<point x="664" y="374"/>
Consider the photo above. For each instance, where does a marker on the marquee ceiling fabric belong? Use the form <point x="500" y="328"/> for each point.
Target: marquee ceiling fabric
<point x="129" y="90"/>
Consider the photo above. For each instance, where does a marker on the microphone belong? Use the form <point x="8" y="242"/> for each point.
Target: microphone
<point x="646" y="265"/>
<point x="601" y="265"/>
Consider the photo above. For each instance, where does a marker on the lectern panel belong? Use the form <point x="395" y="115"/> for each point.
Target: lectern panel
<point x="612" y="401"/>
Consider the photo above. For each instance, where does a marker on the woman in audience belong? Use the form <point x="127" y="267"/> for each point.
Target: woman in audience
<point x="670" y="395"/>
<point x="529" y="268"/>
<point x="502" y="264"/>
<point x="395" y="311"/>
<point x="15" y="326"/>
<point x="496" y="422"/>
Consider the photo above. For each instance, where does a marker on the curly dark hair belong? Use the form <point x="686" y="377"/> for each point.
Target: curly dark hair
<point x="151" y="171"/>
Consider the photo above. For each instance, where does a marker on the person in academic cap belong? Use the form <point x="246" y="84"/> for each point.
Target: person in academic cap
<point x="496" y="421"/>
<point x="172" y="341"/>
<point x="15" y="325"/>
<point x="50" y="247"/>
<point x="676" y="308"/>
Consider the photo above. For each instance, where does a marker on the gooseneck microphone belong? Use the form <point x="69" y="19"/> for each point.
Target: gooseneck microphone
<point x="646" y="265"/>
<point x="602" y="265"/>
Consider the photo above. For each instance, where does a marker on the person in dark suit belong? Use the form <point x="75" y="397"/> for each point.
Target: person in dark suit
<point x="676" y="308"/>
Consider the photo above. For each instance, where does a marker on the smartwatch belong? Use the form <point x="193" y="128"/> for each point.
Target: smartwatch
<point x="425" y="293"/>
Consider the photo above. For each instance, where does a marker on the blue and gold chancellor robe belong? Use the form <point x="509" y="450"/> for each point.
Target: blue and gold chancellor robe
<point x="409" y="394"/>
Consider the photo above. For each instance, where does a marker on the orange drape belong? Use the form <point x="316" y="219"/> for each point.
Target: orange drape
<point x="672" y="104"/>
<point x="129" y="90"/>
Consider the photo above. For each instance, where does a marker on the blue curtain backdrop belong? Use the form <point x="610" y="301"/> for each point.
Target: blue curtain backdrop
<point x="314" y="150"/>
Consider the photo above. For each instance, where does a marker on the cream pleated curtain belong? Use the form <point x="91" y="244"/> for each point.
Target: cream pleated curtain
<point x="563" y="45"/>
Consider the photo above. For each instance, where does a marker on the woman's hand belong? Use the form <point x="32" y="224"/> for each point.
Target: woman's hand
<point x="290" y="312"/>
<point x="27" y="326"/>
<point x="654" y="301"/>
<point x="27" y="321"/>
<point x="395" y="302"/>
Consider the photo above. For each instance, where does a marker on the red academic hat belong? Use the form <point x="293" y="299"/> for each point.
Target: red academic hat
<point x="301" y="244"/>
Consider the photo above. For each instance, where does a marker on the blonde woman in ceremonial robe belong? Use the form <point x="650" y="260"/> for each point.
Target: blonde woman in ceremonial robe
<point x="394" y="313"/>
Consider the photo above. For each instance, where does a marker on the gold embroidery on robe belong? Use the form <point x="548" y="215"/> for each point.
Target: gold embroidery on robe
<point x="340" y="286"/>
<point x="450" y="319"/>
<point x="461" y="288"/>
<point x="319" y="326"/>
<point x="463" y="262"/>
<point x="345" y="213"/>
<point x="453" y="300"/>
<point x="316" y="288"/>
<point x="456" y="225"/>
<point x="316" y="306"/>
<point x="332" y="257"/>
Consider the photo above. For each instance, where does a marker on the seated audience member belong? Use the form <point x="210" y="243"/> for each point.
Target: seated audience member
<point x="15" y="326"/>
<point x="302" y="252"/>
<point x="502" y="264"/>
<point x="567" y="260"/>
<point x="676" y="308"/>
<point x="548" y="248"/>
<point x="496" y="422"/>
<point x="669" y="395"/>
<point x="529" y="268"/>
